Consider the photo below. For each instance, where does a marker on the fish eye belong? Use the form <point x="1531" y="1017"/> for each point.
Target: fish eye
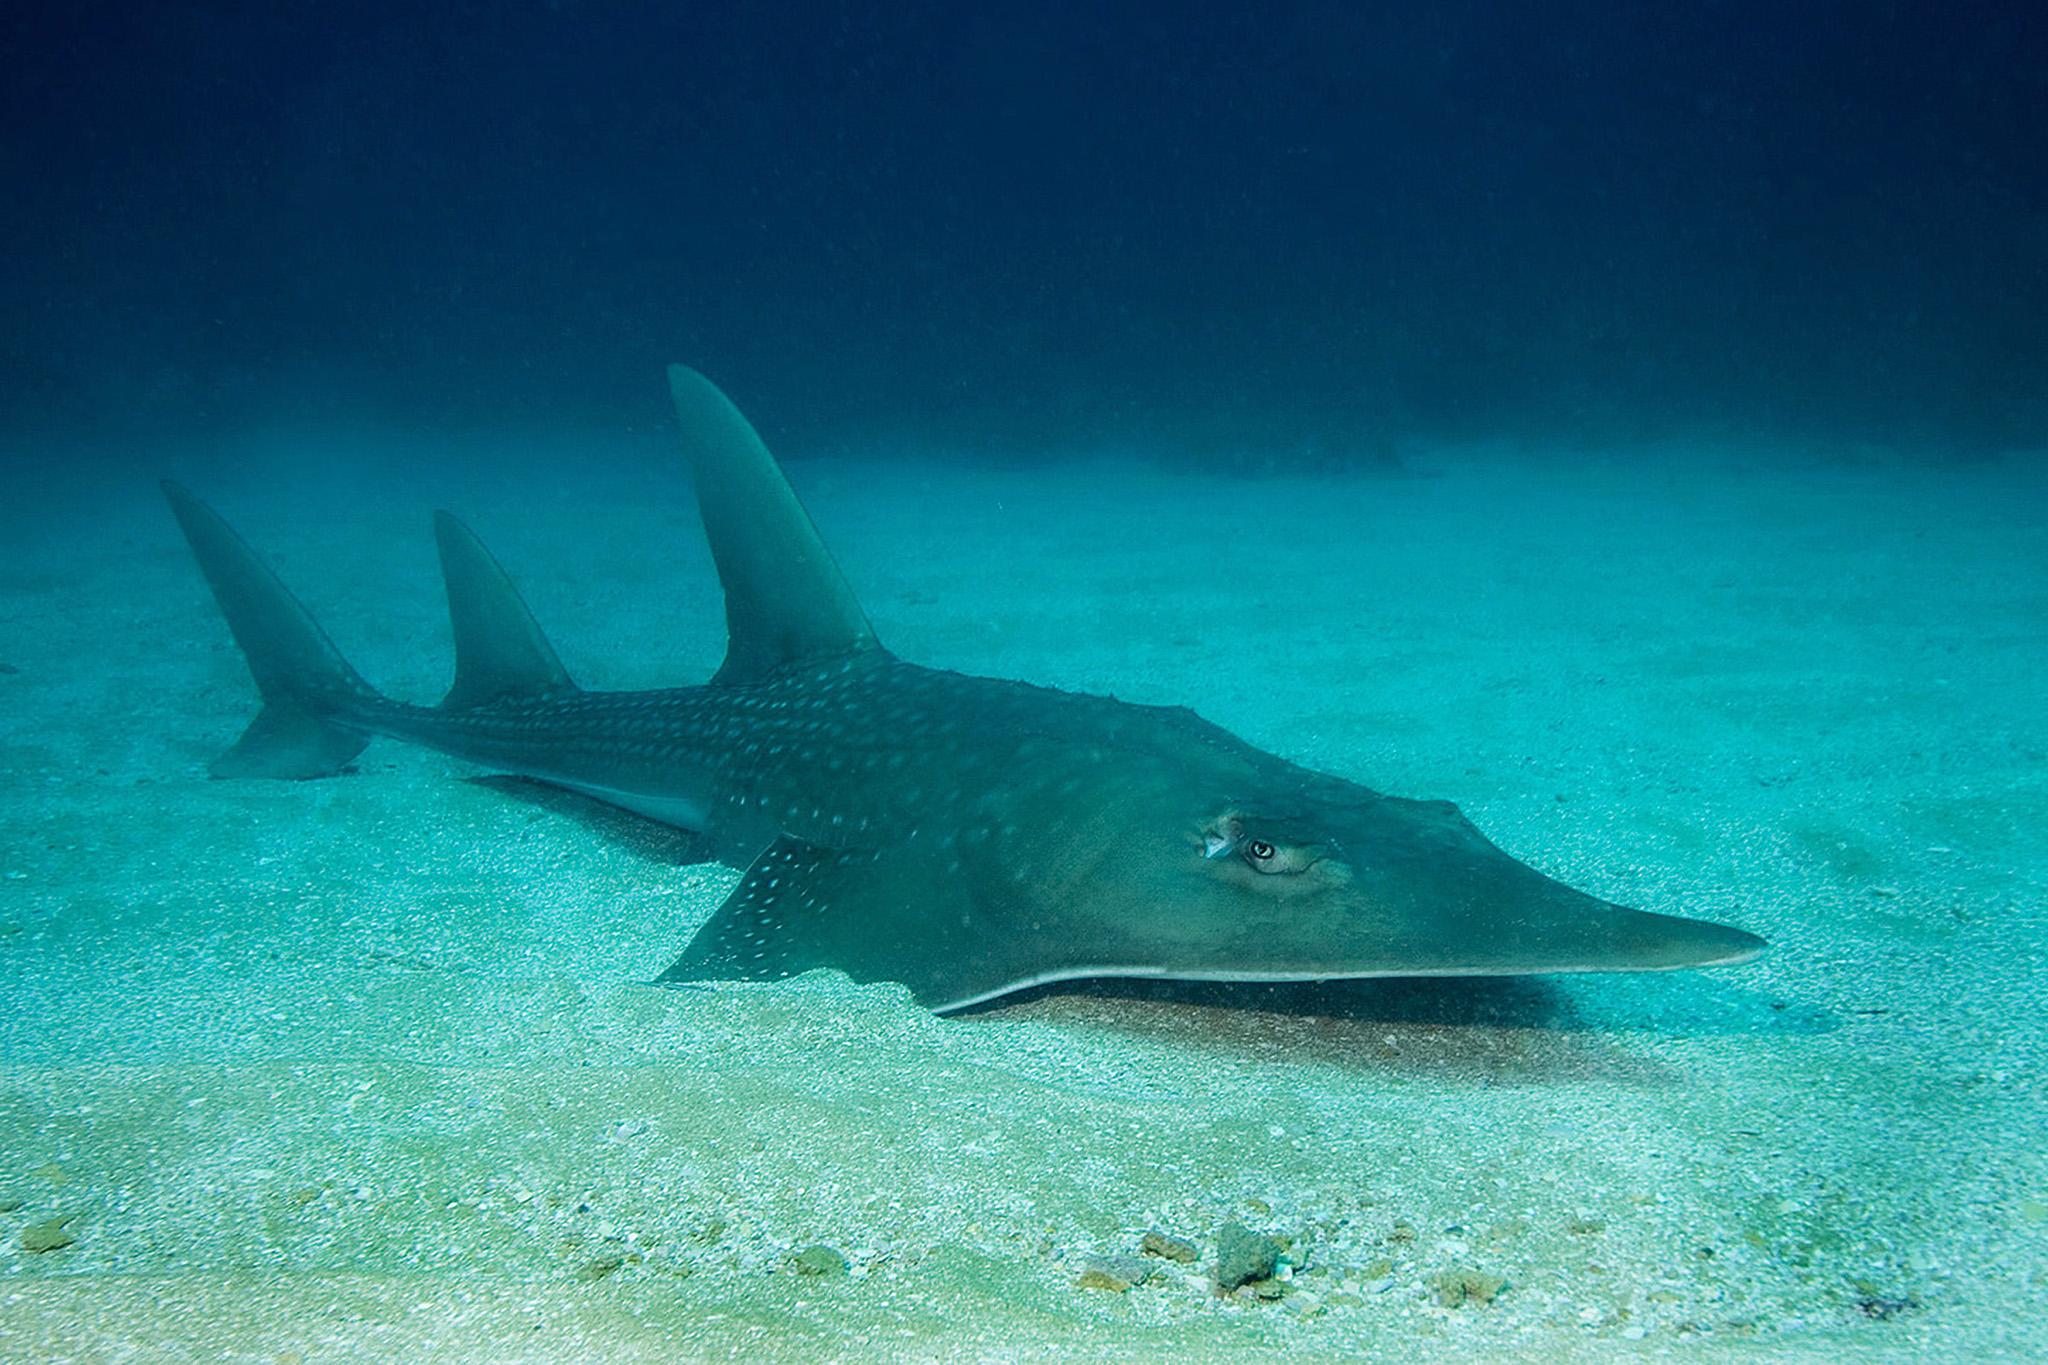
<point x="1275" y="860"/>
<point x="1261" y="855"/>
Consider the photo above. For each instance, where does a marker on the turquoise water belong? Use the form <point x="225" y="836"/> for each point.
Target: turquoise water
<point x="362" y="1066"/>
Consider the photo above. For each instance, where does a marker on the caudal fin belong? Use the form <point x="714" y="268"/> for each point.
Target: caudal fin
<point x="308" y="688"/>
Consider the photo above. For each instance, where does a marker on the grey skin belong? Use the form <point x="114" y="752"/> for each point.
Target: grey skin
<point x="966" y="836"/>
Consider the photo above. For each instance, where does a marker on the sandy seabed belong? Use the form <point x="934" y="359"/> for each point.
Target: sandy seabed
<point x="361" y="1068"/>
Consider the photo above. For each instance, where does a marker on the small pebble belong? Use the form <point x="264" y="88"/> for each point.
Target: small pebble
<point x="47" y="1236"/>
<point x="593" y="1271"/>
<point x="1455" y="1288"/>
<point x="1171" y="1248"/>
<point x="818" y="1260"/>
<point x="1113" y="1273"/>
<point x="1243" y="1256"/>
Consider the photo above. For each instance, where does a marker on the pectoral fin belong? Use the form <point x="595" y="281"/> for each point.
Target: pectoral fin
<point x="875" y="914"/>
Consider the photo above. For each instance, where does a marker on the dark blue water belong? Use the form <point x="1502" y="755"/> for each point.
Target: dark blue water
<point x="1330" y="227"/>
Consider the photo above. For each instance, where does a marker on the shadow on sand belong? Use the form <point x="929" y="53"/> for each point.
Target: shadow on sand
<point x="647" y="839"/>
<point x="1492" y="1030"/>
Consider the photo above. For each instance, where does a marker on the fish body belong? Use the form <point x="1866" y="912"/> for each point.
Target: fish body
<point x="966" y="836"/>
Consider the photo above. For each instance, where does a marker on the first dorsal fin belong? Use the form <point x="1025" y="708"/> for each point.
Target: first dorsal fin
<point x="785" y="600"/>
<point x="500" y="652"/>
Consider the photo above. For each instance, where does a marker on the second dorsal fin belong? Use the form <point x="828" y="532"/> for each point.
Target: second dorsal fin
<point x="785" y="600"/>
<point x="500" y="652"/>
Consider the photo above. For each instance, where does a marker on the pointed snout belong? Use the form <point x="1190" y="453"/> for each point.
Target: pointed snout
<point x="1444" y="900"/>
<point x="1563" y="930"/>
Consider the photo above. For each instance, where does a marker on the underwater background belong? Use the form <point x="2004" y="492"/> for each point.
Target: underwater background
<point x="1624" y="421"/>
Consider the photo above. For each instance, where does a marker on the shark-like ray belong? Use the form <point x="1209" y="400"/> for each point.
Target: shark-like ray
<point x="966" y="836"/>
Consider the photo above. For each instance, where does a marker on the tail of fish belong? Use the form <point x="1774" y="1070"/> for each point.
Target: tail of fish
<point x="309" y="691"/>
<point x="318" y="713"/>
